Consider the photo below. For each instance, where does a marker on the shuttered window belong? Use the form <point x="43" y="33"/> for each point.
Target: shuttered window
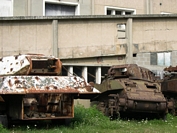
<point x="59" y="10"/>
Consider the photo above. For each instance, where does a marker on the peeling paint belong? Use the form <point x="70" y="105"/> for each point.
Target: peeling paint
<point x="34" y="73"/>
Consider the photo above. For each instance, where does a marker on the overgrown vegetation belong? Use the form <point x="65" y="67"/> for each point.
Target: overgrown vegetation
<point x="3" y="130"/>
<point x="90" y="120"/>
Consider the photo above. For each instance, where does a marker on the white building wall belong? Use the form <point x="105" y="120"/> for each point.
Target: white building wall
<point x="6" y="8"/>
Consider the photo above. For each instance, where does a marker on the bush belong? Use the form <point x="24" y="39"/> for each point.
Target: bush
<point x="2" y="129"/>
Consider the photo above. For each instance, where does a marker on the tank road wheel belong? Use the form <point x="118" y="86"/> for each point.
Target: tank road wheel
<point x="110" y="106"/>
<point x="172" y="109"/>
<point x="113" y="106"/>
<point x="102" y="107"/>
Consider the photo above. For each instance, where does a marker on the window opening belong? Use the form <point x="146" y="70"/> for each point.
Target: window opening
<point x="161" y="59"/>
<point x="121" y="31"/>
<point x="109" y="10"/>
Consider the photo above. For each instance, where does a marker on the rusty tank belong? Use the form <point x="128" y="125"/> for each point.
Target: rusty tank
<point x="32" y="88"/>
<point x="130" y="88"/>
<point x="169" y="88"/>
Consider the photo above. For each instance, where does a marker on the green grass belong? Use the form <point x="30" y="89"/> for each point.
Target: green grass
<point x="89" y="120"/>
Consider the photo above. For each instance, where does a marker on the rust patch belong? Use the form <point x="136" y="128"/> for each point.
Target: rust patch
<point x="37" y="78"/>
<point x="10" y="84"/>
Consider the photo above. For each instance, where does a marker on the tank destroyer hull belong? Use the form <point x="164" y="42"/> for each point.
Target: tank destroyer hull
<point x="32" y="88"/>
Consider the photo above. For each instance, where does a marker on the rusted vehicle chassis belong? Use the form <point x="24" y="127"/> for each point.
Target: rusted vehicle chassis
<point x="32" y="88"/>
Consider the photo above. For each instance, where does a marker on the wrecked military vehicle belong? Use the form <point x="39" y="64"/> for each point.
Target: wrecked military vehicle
<point x="169" y="88"/>
<point x="130" y="88"/>
<point x="32" y="88"/>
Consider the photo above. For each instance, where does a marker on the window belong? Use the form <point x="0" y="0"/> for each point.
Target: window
<point x="118" y="11"/>
<point x="121" y="30"/>
<point x="165" y="13"/>
<point x="59" y="8"/>
<point x="161" y="59"/>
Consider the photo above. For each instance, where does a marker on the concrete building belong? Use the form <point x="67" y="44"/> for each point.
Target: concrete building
<point x="85" y="7"/>
<point x="88" y="45"/>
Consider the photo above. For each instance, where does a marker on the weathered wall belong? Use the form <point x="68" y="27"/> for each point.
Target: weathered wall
<point x="155" y="34"/>
<point x="20" y="8"/>
<point x="97" y="7"/>
<point x="163" y="6"/>
<point x="82" y="39"/>
<point x="89" y="38"/>
<point x="97" y="61"/>
<point x="139" y="5"/>
<point x="86" y="7"/>
<point x="25" y="37"/>
<point x="36" y="7"/>
<point x="143" y="59"/>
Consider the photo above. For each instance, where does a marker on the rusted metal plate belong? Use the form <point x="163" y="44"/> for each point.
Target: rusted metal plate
<point x="170" y="86"/>
<point x="146" y="106"/>
<point x="171" y="69"/>
<point x="139" y="90"/>
<point x="30" y="64"/>
<point x="146" y="96"/>
<point x="131" y="71"/>
<point x="12" y="64"/>
<point x="48" y="106"/>
<point x="44" y="84"/>
<point x="169" y="83"/>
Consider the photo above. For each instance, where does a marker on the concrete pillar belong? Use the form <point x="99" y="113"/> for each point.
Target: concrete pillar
<point x="85" y="73"/>
<point x="98" y="75"/>
<point x="70" y="71"/>
<point x="129" y="54"/>
<point x="55" y="38"/>
<point x="150" y="7"/>
<point x="147" y="7"/>
<point x="113" y="12"/>
<point x="123" y="13"/>
<point x="29" y="8"/>
<point x="92" y="7"/>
